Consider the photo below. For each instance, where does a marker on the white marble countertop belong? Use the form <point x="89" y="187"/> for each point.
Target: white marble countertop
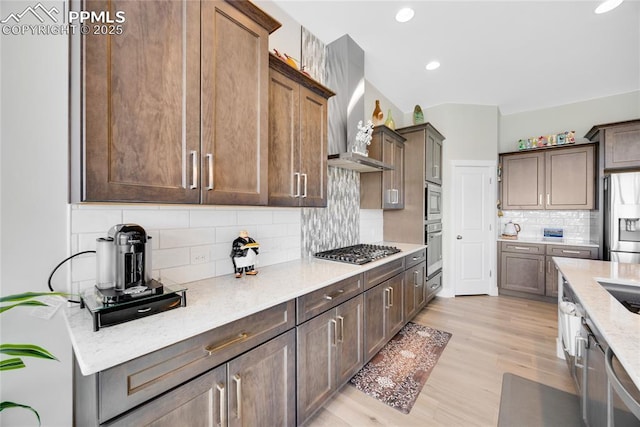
<point x="210" y="303"/>
<point x="620" y="327"/>
<point x="551" y="241"/>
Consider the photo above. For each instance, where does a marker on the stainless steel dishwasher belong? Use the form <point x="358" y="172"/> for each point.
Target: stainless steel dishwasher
<point x="595" y="379"/>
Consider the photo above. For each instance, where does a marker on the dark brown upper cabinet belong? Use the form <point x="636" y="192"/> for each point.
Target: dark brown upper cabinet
<point x="174" y="109"/>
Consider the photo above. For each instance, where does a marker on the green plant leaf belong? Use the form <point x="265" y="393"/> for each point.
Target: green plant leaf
<point x="28" y="350"/>
<point x="13" y="363"/>
<point x="28" y="295"/>
<point x="29" y="303"/>
<point x="8" y="405"/>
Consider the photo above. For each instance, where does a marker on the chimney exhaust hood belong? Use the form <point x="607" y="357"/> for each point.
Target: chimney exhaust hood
<point x="345" y="74"/>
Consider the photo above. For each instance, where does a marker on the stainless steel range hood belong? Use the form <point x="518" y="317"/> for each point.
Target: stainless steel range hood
<point x="345" y="75"/>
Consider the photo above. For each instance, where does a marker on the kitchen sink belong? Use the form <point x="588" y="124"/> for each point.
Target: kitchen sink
<point x="627" y="294"/>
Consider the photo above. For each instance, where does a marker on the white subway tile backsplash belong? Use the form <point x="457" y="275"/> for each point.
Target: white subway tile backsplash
<point x="157" y="218"/>
<point x="97" y="220"/>
<point x="176" y="238"/>
<point x="576" y="224"/>
<point x="167" y="258"/>
<point x="177" y="231"/>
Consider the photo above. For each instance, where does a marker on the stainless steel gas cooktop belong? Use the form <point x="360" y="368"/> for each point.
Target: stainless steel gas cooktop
<point x="358" y="254"/>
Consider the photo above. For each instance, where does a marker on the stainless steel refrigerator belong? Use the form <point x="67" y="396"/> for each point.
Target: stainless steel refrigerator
<point x="622" y="217"/>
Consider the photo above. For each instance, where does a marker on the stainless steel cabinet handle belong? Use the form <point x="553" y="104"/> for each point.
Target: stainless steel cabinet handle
<point x="459" y="237"/>
<point x="540" y="199"/>
<point x="238" y="382"/>
<point x="416" y="275"/>
<point x="548" y="199"/>
<point x="209" y="157"/>
<point x="521" y="248"/>
<point x="341" y="319"/>
<point x="391" y="298"/>
<point x="541" y="266"/>
<point x="579" y="354"/>
<point x="549" y="267"/>
<point x="210" y="349"/>
<point x="387" y="292"/>
<point x="223" y="405"/>
<point x="194" y="170"/>
<point x="397" y="199"/>
<point x="304" y="194"/>
<point x="567" y="251"/>
<point x="333" y="295"/>
<point x="297" y="184"/>
<point x="335" y="331"/>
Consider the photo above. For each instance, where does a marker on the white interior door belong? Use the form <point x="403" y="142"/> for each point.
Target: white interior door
<point x="474" y="238"/>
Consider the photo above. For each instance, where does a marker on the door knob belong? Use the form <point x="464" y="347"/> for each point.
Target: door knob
<point x="459" y="237"/>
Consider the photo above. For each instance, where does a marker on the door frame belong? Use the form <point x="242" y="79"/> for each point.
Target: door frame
<point x="450" y="239"/>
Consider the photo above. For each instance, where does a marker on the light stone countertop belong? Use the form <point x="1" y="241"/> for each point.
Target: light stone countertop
<point x="619" y="327"/>
<point x="210" y="303"/>
<point x="552" y="241"/>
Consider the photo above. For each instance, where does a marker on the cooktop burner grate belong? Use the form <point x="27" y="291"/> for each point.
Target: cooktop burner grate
<point x="358" y="254"/>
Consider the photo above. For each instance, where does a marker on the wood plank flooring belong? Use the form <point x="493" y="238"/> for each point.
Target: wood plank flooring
<point x="491" y="336"/>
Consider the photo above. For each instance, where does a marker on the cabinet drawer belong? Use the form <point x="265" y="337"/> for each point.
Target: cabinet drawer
<point x="415" y="258"/>
<point x="125" y="386"/>
<point x="316" y="302"/>
<point x="382" y="273"/>
<point x="572" y="251"/>
<point x="523" y="248"/>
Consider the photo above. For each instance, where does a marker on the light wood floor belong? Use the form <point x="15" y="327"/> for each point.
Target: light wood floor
<point x="491" y="336"/>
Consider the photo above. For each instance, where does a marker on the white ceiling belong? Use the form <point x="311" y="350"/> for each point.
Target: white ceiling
<point x="518" y="55"/>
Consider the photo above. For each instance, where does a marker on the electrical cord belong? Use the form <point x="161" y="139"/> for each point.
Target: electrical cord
<point x="58" y="266"/>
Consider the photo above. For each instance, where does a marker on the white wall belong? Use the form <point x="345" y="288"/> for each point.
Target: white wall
<point x="579" y="116"/>
<point x="287" y="38"/>
<point x="34" y="216"/>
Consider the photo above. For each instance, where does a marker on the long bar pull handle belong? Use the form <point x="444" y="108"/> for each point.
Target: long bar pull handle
<point x="194" y="170"/>
<point x="341" y="319"/>
<point x="579" y="354"/>
<point x="238" y="382"/>
<point x="522" y="248"/>
<point x="548" y="199"/>
<point x="567" y="251"/>
<point x="391" y="296"/>
<point x="334" y="295"/>
<point x="297" y="184"/>
<point x="210" y="349"/>
<point x="223" y="405"/>
<point x="541" y="266"/>
<point x="304" y="193"/>
<point x="387" y="293"/>
<point x="335" y="331"/>
<point x="209" y="158"/>
<point x="549" y="267"/>
<point x="416" y="275"/>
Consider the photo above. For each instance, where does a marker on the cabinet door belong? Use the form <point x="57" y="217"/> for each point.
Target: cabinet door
<point x="349" y="354"/>
<point x="551" y="287"/>
<point x="284" y="131"/>
<point x="521" y="272"/>
<point x="261" y="384"/>
<point x="393" y="180"/>
<point x="395" y="306"/>
<point x="313" y="148"/>
<point x="523" y="181"/>
<point x="196" y="403"/>
<point x="142" y="104"/>
<point x="414" y="290"/>
<point x="375" y="315"/>
<point x="569" y="179"/>
<point x="315" y="363"/>
<point x="433" y="161"/>
<point x="235" y="77"/>
<point x="622" y="146"/>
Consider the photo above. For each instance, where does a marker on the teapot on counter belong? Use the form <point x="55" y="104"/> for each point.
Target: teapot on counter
<point x="511" y="229"/>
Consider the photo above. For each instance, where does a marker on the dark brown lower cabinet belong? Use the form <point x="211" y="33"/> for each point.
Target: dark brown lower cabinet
<point x="329" y="353"/>
<point x="414" y="290"/>
<point x="257" y="388"/>
<point x="384" y="314"/>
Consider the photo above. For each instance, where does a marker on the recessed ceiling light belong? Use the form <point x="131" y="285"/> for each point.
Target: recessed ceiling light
<point x="608" y="5"/>
<point x="405" y="14"/>
<point x="433" y="65"/>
